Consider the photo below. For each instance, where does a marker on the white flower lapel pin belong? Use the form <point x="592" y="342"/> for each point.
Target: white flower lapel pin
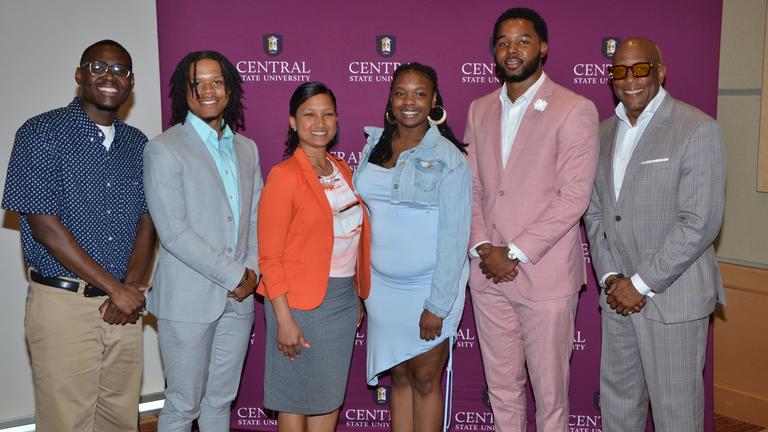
<point x="540" y="105"/>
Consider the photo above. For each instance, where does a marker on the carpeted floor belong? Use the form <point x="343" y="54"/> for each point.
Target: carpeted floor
<point x="727" y="424"/>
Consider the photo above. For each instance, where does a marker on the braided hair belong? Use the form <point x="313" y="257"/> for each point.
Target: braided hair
<point x="383" y="150"/>
<point x="182" y="79"/>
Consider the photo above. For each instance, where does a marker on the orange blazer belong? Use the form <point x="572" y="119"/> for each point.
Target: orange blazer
<point x="295" y="232"/>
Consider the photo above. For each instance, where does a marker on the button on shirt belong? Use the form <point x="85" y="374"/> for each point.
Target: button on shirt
<point x="627" y="138"/>
<point x="222" y="151"/>
<point x="59" y="166"/>
<point x="512" y="115"/>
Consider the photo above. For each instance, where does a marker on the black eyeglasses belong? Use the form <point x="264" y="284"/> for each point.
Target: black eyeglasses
<point x="639" y="70"/>
<point x="99" y="68"/>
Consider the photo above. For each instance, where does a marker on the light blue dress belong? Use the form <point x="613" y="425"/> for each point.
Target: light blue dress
<point x="404" y="239"/>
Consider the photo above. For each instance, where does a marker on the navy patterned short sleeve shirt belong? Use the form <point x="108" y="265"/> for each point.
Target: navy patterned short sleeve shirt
<point x="59" y="167"/>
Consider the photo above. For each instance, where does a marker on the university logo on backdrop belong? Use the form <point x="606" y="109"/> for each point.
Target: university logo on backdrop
<point x="253" y="70"/>
<point x="272" y="44"/>
<point x="385" y="45"/>
<point x="381" y="394"/>
<point x="466" y="337"/>
<point x="595" y="73"/>
<point x="366" y="419"/>
<point x="254" y="416"/>
<point x="373" y="70"/>
<point x="609" y="46"/>
<point x="481" y="72"/>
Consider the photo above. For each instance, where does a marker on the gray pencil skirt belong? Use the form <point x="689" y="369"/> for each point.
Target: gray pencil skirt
<point x="315" y="382"/>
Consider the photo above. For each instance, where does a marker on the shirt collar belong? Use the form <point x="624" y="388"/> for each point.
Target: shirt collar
<point x="207" y="133"/>
<point x="77" y="110"/>
<point x="649" y="110"/>
<point x="527" y="96"/>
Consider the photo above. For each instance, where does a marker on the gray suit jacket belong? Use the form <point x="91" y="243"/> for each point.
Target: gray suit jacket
<point x="668" y="214"/>
<point x="200" y="258"/>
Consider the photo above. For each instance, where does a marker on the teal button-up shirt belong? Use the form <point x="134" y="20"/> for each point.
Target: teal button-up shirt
<point x="223" y="153"/>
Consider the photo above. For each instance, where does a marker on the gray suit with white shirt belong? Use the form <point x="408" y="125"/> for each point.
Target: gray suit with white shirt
<point x="662" y="227"/>
<point x="203" y="334"/>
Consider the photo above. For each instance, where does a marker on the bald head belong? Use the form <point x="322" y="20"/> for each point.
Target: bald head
<point x="646" y="47"/>
<point x="636" y="92"/>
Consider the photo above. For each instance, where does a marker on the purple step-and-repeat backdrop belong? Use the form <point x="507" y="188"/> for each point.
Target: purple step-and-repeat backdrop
<point x="354" y="46"/>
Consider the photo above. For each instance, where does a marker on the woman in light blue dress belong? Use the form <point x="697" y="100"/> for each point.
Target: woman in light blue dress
<point x="415" y="181"/>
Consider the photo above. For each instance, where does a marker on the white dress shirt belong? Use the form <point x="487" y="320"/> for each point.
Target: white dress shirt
<point x="627" y="138"/>
<point x="512" y="114"/>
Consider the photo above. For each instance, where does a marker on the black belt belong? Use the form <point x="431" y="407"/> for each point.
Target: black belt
<point x="57" y="282"/>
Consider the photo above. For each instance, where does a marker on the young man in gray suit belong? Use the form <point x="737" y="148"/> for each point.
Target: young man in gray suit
<point x="202" y="183"/>
<point x="656" y="208"/>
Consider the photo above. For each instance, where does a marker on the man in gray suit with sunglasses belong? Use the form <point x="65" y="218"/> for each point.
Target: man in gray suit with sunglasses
<point x="656" y="208"/>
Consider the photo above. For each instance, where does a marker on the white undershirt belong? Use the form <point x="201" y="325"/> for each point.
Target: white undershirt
<point x="109" y="135"/>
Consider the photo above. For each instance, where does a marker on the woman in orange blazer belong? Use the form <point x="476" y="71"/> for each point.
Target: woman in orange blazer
<point x="313" y="251"/>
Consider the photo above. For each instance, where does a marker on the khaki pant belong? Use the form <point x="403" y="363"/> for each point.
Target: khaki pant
<point x="86" y="373"/>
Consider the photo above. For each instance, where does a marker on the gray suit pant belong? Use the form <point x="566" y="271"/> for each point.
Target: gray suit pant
<point x="644" y="359"/>
<point x="202" y="365"/>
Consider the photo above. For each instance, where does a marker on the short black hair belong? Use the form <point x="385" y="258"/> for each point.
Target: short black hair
<point x="181" y="80"/>
<point x="105" y="42"/>
<point x="301" y="95"/>
<point x="523" y="13"/>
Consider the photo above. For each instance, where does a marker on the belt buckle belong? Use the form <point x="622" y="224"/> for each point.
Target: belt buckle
<point x="92" y="291"/>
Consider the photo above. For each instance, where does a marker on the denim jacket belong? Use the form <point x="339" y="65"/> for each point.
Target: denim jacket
<point x="435" y="173"/>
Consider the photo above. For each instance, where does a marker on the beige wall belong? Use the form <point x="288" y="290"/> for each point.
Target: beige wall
<point x="741" y="348"/>
<point x="40" y="45"/>
<point x="744" y="237"/>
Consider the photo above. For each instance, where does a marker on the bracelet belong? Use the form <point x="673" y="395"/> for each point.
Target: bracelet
<point x="245" y="278"/>
<point x="612" y="281"/>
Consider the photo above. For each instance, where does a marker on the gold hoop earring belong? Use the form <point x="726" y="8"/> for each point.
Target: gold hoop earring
<point x="388" y="119"/>
<point x="439" y="121"/>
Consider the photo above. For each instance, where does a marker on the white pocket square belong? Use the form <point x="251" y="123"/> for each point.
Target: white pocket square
<point x="654" y="161"/>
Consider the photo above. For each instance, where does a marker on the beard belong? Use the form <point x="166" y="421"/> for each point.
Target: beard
<point x="527" y="70"/>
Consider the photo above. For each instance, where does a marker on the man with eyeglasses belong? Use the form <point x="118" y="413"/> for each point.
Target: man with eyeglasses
<point x="656" y="208"/>
<point x="75" y="177"/>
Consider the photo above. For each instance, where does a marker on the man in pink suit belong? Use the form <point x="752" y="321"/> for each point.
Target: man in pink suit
<point x="533" y="151"/>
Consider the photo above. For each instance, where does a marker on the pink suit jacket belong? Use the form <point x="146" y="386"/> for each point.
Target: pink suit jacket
<point x="537" y="201"/>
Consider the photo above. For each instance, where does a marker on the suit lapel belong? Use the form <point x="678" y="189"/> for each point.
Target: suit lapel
<point x="529" y="123"/>
<point x="494" y="117"/>
<point x="243" y="168"/>
<point x="198" y="148"/>
<point x="651" y="134"/>
<point x="314" y="185"/>
<point x="607" y="157"/>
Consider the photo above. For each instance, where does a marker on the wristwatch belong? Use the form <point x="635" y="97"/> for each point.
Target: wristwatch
<point x="511" y="255"/>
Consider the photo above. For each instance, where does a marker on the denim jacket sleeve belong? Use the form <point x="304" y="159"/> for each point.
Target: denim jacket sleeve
<point x="455" y="203"/>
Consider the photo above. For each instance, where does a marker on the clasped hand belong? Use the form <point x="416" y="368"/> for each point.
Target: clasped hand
<point x="125" y="305"/>
<point x="623" y="298"/>
<point x="495" y="264"/>
<point x="246" y="288"/>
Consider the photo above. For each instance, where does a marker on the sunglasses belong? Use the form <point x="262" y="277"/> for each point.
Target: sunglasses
<point x="639" y="70"/>
<point x="99" y="68"/>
